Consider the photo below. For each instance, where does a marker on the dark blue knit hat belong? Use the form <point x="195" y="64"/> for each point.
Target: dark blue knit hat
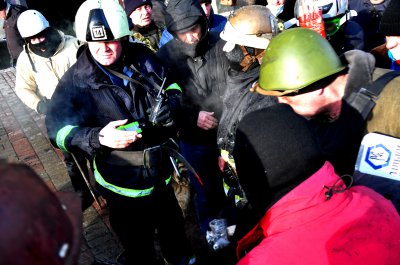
<point x="131" y="5"/>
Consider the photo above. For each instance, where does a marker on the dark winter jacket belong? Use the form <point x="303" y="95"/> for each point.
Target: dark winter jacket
<point x="199" y="70"/>
<point x="341" y="139"/>
<point x="237" y="102"/>
<point x="14" y="40"/>
<point x="86" y="100"/>
<point x="369" y="17"/>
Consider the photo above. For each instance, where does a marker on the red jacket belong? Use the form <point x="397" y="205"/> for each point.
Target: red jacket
<point x="357" y="227"/>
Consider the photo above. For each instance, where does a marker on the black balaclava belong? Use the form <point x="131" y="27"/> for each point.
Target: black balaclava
<point x="49" y="46"/>
<point x="275" y="150"/>
<point x="236" y="56"/>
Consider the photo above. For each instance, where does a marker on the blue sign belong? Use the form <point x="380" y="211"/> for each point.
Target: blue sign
<point x="378" y="156"/>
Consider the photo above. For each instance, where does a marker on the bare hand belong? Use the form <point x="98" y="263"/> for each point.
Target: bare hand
<point x="221" y="163"/>
<point x="206" y="120"/>
<point x="111" y="137"/>
<point x="3" y="14"/>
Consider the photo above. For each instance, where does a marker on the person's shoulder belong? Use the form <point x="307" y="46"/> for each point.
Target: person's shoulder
<point x="139" y="53"/>
<point x="160" y="26"/>
<point x="214" y="37"/>
<point x="70" y="38"/>
<point x="169" y="49"/>
<point x="72" y="41"/>
<point x="23" y="60"/>
<point x="217" y="22"/>
<point x="138" y="49"/>
<point x="219" y="18"/>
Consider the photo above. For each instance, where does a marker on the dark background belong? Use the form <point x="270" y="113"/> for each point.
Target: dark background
<point x="4" y="56"/>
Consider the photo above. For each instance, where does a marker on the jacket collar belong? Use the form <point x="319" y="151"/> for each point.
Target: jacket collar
<point x="92" y="77"/>
<point x="309" y="196"/>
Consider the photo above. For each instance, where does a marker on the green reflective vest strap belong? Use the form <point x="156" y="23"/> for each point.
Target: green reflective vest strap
<point x="122" y="191"/>
<point x="174" y="86"/>
<point x="237" y="198"/>
<point x="167" y="181"/>
<point x="226" y="187"/>
<point x="62" y="135"/>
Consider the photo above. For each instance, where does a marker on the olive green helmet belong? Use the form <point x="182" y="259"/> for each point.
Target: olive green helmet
<point x="294" y="60"/>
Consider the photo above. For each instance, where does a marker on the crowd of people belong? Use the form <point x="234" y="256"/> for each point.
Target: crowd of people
<point x="265" y="109"/>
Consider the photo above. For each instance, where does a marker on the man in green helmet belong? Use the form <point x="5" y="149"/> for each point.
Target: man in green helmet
<point x="302" y="70"/>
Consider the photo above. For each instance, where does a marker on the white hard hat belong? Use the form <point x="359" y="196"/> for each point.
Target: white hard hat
<point x="101" y="20"/>
<point x="251" y="26"/>
<point x="333" y="8"/>
<point x="31" y="22"/>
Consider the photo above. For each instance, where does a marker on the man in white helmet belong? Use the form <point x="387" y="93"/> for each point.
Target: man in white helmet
<point x="247" y="34"/>
<point x="47" y="54"/>
<point x="106" y="107"/>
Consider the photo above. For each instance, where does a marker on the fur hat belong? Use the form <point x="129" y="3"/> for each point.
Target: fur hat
<point x="390" y="23"/>
<point x="131" y="5"/>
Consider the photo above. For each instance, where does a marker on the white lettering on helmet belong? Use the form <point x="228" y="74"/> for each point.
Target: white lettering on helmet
<point x="98" y="33"/>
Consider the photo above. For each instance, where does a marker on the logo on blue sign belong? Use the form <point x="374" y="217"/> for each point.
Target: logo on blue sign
<point x="378" y="156"/>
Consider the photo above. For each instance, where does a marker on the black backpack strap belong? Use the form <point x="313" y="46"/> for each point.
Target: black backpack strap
<point x="364" y="100"/>
<point x="377" y="86"/>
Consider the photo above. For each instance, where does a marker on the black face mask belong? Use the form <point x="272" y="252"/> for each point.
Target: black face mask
<point x="235" y="57"/>
<point x="49" y="46"/>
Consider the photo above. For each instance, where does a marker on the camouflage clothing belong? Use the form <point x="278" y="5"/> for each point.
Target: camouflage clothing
<point x="150" y="35"/>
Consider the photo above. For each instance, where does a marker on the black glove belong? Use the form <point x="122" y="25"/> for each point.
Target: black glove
<point x="163" y="115"/>
<point x="165" y="109"/>
<point x="42" y="106"/>
<point x="174" y="103"/>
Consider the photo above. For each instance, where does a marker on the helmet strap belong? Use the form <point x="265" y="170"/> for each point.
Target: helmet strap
<point x="249" y="59"/>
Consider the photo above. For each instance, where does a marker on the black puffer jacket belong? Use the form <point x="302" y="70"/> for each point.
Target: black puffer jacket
<point x="86" y="98"/>
<point x="199" y="69"/>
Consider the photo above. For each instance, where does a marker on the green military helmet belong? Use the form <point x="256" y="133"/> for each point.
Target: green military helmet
<point x="294" y="60"/>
